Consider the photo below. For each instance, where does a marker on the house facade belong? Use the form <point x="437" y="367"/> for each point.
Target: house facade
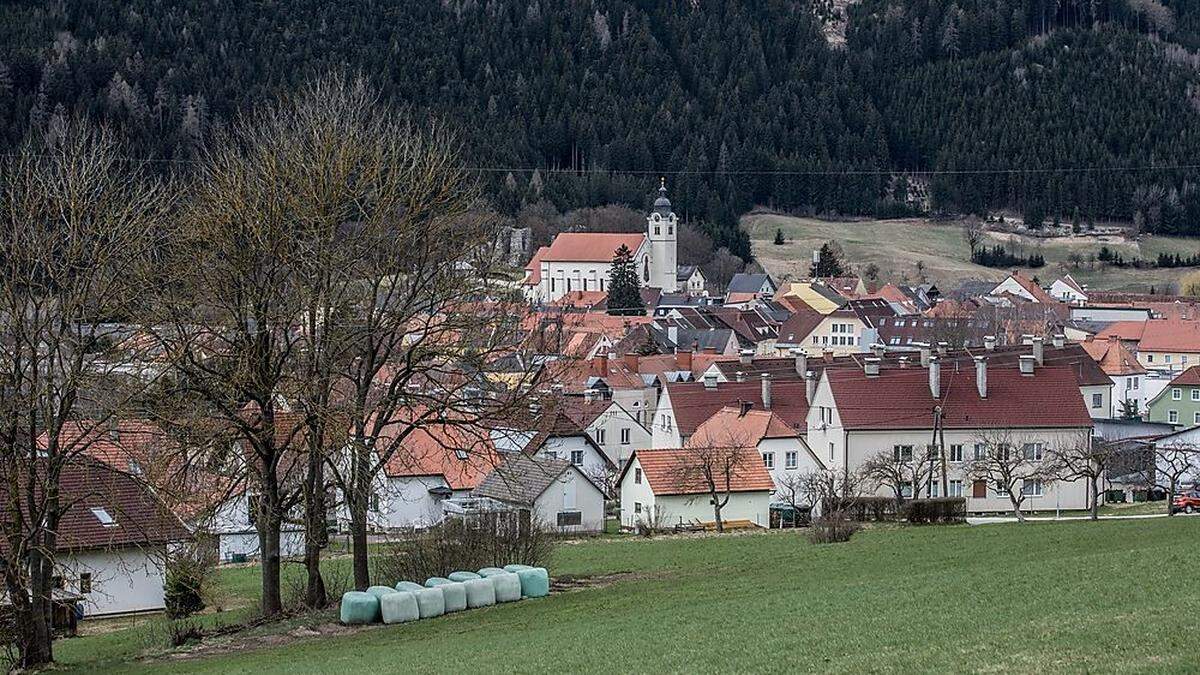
<point x="658" y="487"/>
<point x="1179" y="402"/>
<point x="557" y="493"/>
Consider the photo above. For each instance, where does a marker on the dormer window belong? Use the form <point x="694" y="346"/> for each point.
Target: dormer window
<point x="103" y="516"/>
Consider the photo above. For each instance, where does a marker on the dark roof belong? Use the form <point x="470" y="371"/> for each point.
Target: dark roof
<point x="799" y="326"/>
<point x="1191" y="377"/>
<point x="693" y="403"/>
<point x="96" y="491"/>
<point x="900" y="398"/>
<point x="684" y="272"/>
<point x="748" y="283"/>
<point x="522" y="478"/>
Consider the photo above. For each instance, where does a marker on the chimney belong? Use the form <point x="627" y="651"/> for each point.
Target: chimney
<point x="935" y="377"/>
<point x="747" y="356"/>
<point x="989" y="343"/>
<point x="903" y="361"/>
<point x="1060" y="340"/>
<point x="1092" y="338"/>
<point x="535" y="408"/>
<point x="600" y="365"/>
<point x="981" y="375"/>
<point x="766" y="391"/>
<point x="878" y="349"/>
<point x="710" y="381"/>
<point x="925" y="354"/>
<point x="1113" y="340"/>
<point x="810" y="386"/>
<point x="631" y="361"/>
<point x="744" y="407"/>
<point x="871" y="366"/>
<point x="827" y="355"/>
<point x="801" y="361"/>
<point x="1026" y="340"/>
<point x="1027" y="362"/>
<point x="1038" y="351"/>
<point x="589" y="395"/>
<point x="943" y="347"/>
<point x="739" y="376"/>
<point x="683" y="359"/>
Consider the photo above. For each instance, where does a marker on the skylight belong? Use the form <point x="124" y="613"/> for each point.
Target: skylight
<point x="103" y="516"/>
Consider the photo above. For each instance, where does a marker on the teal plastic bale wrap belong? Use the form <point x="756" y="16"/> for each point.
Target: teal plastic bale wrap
<point x="508" y="586"/>
<point x="490" y="572"/>
<point x="462" y="576"/>
<point x="516" y="568"/>
<point x="359" y="608"/>
<point x="399" y="607"/>
<point x="454" y="594"/>
<point x="535" y="582"/>
<point x="480" y="593"/>
<point x="431" y="601"/>
<point x="380" y="591"/>
<point x="408" y="586"/>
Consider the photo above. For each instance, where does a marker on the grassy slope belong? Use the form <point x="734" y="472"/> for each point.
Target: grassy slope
<point x="896" y="246"/>
<point x="1078" y="596"/>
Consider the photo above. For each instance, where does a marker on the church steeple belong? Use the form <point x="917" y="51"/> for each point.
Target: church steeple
<point x="661" y="227"/>
<point x="662" y="205"/>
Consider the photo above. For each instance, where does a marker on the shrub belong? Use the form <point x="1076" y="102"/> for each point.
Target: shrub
<point x="183" y="632"/>
<point x="832" y="528"/>
<point x="863" y="509"/>
<point x="943" y="510"/>
<point x="470" y="543"/>
<point x="183" y="591"/>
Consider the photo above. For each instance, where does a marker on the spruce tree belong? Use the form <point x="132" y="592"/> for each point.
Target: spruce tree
<point x="828" y="263"/>
<point x="779" y="241"/>
<point x="624" y="294"/>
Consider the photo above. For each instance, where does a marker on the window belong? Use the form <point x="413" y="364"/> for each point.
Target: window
<point x="934" y="487"/>
<point x="657" y="229"/>
<point x="902" y="453"/>
<point x="570" y="518"/>
<point x="1196" y="393"/>
<point x="1196" y="417"/>
<point x="1097" y="400"/>
<point x="791" y="456"/>
<point x="954" y="488"/>
<point x="625" y="437"/>
<point x="637" y="476"/>
<point x="980" y="451"/>
<point x="1001" y="491"/>
<point x="1031" y="488"/>
<point x="1003" y="452"/>
<point x="600" y="436"/>
<point x="577" y="457"/>
<point x="1173" y="416"/>
<point x="906" y="490"/>
<point x="637" y="507"/>
<point x="85" y="582"/>
<point x="1135" y="382"/>
<point x="815" y="339"/>
<point x="769" y="460"/>
<point x="375" y="502"/>
<point x="1149" y="358"/>
<point x="1176" y="394"/>
<point x="1167" y="358"/>
<point x="105" y="519"/>
<point x="831" y="451"/>
<point x="956" y="453"/>
<point x="1033" y="452"/>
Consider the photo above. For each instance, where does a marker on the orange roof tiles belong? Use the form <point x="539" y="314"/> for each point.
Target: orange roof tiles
<point x="730" y="424"/>
<point x="675" y="471"/>
<point x="1113" y="356"/>
<point x="1170" y="335"/>
<point x="591" y="246"/>
<point x="1189" y="377"/>
<point x="461" y="454"/>
<point x="533" y="270"/>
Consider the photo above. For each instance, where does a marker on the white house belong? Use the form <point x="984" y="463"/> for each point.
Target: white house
<point x="1066" y="289"/>
<point x="1127" y="374"/>
<point x="660" y="487"/>
<point x="113" y="541"/>
<point x="580" y="261"/>
<point x="858" y="413"/>
<point x="781" y="447"/>
<point x="610" y="426"/>
<point x="233" y="525"/>
<point x="558" y="494"/>
<point x="1022" y="286"/>
<point x="559" y="437"/>
<point x="690" y="279"/>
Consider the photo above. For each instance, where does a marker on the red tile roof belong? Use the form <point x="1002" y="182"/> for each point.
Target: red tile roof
<point x="1113" y="356"/>
<point x="800" y="325"/>
<point x="460" y="454"/>
<point x="1170" y="335"/>
<point x="730" y="424"/>
<point x="138" y="517"/>
<point x="900" y="398"/>
<point x="1125" y="330"/>
<point x="533" y="270"/>
<point x="590" y="246"/>
<point x="1189" y="377"/>
<point x="1032" y="288"/>
<point x="692" y="403"/>
<point x="674" y="471"/>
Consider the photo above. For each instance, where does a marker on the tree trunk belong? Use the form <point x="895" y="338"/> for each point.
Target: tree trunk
<point x="717" y="514"/>
<point x="1170" y="498"/>
<point x="1095" y="478"/>
<point x="268" y="539"/>
<point x="1016" y="507"/>
<point x="33" y="613"/>
<point x="358" y="539"/>
<point x="315" y="531"/>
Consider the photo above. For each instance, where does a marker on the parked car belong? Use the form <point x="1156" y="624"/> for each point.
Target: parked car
<point x="1188" y="502"/>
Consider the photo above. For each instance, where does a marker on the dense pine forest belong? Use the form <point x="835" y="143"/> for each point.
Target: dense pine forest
<point x="1079" y="109"/>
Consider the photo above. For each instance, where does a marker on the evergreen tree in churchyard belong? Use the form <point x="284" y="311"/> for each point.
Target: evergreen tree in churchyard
<point x="828" y="263"/>
<point x="624" y="296"/>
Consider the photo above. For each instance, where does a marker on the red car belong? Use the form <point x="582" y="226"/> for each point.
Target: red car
<point x="1188" y="502"/>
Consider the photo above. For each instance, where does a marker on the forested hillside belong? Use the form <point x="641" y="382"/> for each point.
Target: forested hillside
<point x="738" y="103"/>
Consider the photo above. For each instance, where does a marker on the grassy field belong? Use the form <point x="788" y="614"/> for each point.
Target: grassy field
<point x="1075" y="596"/>
<point x="896" y="246"/>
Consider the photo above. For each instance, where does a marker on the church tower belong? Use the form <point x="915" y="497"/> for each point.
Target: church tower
<point x="663" y="231"/>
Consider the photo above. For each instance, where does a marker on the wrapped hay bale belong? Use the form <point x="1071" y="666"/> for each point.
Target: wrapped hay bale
<point x="508" y="586"/>
<point x="431" y="601"/>
<point x="454" y="594"/>
<point x="408" y="586"/>
<point x="399" y="607"/>
<point x="359" y="608"/>
<point x="462" y="576"/>
<point x="516" y="568"/>
<point x="480" y="593"/>
<point x="380" y="591"/>
<point x="535" y="582"/>
<point x="490" y="572"/>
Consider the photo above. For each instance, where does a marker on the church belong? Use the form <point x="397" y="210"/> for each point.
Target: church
<point x="580" y="261"/>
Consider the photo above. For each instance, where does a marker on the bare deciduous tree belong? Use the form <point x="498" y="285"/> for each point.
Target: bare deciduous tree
<point x="1174" y="463"/>
<point x="903" y="468"/>
<point x="77" y="223"/>
<point x="1089" y="459"/>
<point x="1014" y="465"/>
<point x="972" y="233"/>
<point x="711" y="463"/>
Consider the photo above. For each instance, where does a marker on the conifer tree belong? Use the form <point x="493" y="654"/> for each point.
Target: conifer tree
<point x="624" y="296"/>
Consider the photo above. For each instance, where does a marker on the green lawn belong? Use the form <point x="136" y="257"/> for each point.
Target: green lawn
<point x="1075" y="596"/>
<point x="896" y="246"/>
